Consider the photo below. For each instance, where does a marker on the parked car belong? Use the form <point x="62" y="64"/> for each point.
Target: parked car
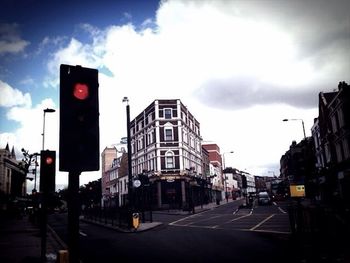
<point x="264" y="198"/>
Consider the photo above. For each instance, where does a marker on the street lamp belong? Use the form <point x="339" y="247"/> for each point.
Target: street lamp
<point x="28" y="161"/>
<point x="47" y="110"/>
<point x="225" y="183"/>
<point x="302" y="122"/>
<point x="125" y="99"/>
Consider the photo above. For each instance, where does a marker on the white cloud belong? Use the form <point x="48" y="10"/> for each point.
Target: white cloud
<point x="10" y="40"/>
<point x="13" y="97"/>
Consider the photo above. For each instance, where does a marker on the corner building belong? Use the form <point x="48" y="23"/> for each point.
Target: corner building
<point x="166" y="147"/>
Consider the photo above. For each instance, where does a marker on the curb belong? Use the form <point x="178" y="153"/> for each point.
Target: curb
<point x="122" y="230"/>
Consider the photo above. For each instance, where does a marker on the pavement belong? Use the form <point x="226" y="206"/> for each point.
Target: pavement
<point x="20" y="241"/>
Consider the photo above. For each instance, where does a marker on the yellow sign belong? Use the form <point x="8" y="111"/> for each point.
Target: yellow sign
<point x="297" y="190"/>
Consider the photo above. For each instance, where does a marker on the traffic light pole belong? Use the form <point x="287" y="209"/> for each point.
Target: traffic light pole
<point x="43" y="225"/>
<point x="73" y="216"/>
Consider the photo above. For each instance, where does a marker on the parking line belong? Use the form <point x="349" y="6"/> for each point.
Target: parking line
<point x="262" y="222"/>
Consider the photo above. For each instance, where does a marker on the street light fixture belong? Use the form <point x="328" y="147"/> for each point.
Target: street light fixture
<point x="225" y="183"/>
<point x="302" y="122"/>
<point x="47" y="110"/>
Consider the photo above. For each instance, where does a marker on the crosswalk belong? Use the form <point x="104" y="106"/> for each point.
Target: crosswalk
<point x="255" y="219"/>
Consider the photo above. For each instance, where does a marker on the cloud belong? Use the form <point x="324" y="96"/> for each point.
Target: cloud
<point x="13" y="97"/>
<point x="246" y="92"/>
<point x="10" y="40"/>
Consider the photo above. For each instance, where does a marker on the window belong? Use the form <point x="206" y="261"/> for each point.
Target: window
<point x="191" y="142"/>
<point x="150" y="136"/>
<point x="150" y="118"/>
<point x="346" y="149"/>
<point x="167" y="113"/>
<point x="139" y="144"/>
<point x="338" y="150"/>
<point x="169" y="160"/>
<point x="168" y="134"/>
<point x="340" y="118"/>
<point x="185" y="139"/>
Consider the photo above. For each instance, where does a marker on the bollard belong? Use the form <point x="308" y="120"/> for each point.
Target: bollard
<point x="135" y="220"/>
<point x="62" y="256"/>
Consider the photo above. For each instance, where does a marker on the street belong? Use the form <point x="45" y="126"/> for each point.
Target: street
<point x="225" y="233"/>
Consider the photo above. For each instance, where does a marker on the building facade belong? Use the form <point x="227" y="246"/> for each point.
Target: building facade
<point x="166" y="147"/>
<point x="331" y="135"/>
<point x="107" y="157"/>
<point x="216" y="170"/>
<point x="12" y="177"/>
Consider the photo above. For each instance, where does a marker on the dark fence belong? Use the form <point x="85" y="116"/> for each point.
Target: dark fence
<point x="315" y="218"/>
<point x="115" y="216"/>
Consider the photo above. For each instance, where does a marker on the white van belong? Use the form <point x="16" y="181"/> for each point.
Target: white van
<point x="264" y="198"/>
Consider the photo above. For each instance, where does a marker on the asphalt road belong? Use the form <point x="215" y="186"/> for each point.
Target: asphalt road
<point x="223" y="234"/>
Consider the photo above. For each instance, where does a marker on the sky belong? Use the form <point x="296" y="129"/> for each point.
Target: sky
<point x="240" y="67"/>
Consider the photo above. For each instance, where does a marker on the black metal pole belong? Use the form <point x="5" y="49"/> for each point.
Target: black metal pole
<point x="43" y="225"/>
<point x="130" y="186"/>
<point x="73" y="216"/>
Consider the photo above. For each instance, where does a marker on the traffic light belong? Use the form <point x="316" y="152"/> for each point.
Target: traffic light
<point x="79" y="119"/>
<point x="47" y="171"/>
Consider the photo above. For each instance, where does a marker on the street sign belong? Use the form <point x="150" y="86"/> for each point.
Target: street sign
<point x="137" y="183"/>
<point x="297" y="190"/>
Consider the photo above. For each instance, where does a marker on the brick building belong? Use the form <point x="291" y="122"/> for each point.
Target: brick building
<point x="166" y="147"/>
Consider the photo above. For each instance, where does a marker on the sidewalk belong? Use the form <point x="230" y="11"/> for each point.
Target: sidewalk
<point x="20" y="241"/>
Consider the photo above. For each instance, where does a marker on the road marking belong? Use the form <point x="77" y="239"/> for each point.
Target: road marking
<point x="262" y="222"/>
<point x="182" y="219"/>
<point x="272" y="231"/>
<point x="83" y="234"/>
<point x="235" y="212"/>
<point x="284" y="212"/>
<point x="240" y="217"/>
<point x="194" y="226"/>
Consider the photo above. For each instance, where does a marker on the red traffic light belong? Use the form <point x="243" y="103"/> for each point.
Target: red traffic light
<point x="81" y="91"/>
<point x="49" y="160"/>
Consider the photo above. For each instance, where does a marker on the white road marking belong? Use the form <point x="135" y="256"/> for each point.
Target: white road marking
<point x="284" y="212"/>
<point x="237" y="218"/>
<point x="262" y="222"/>
<point x="83" y="234"/>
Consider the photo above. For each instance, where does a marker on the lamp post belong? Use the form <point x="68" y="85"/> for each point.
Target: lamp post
<point x="28" y="161"/>
<point x="125" y="99"/>
<point x="302" y="122"/>
<point x="47" y="110"/>
<point x="225" y="179"/>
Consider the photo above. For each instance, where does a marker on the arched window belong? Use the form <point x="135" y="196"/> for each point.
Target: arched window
<point x="169" y="160"/>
